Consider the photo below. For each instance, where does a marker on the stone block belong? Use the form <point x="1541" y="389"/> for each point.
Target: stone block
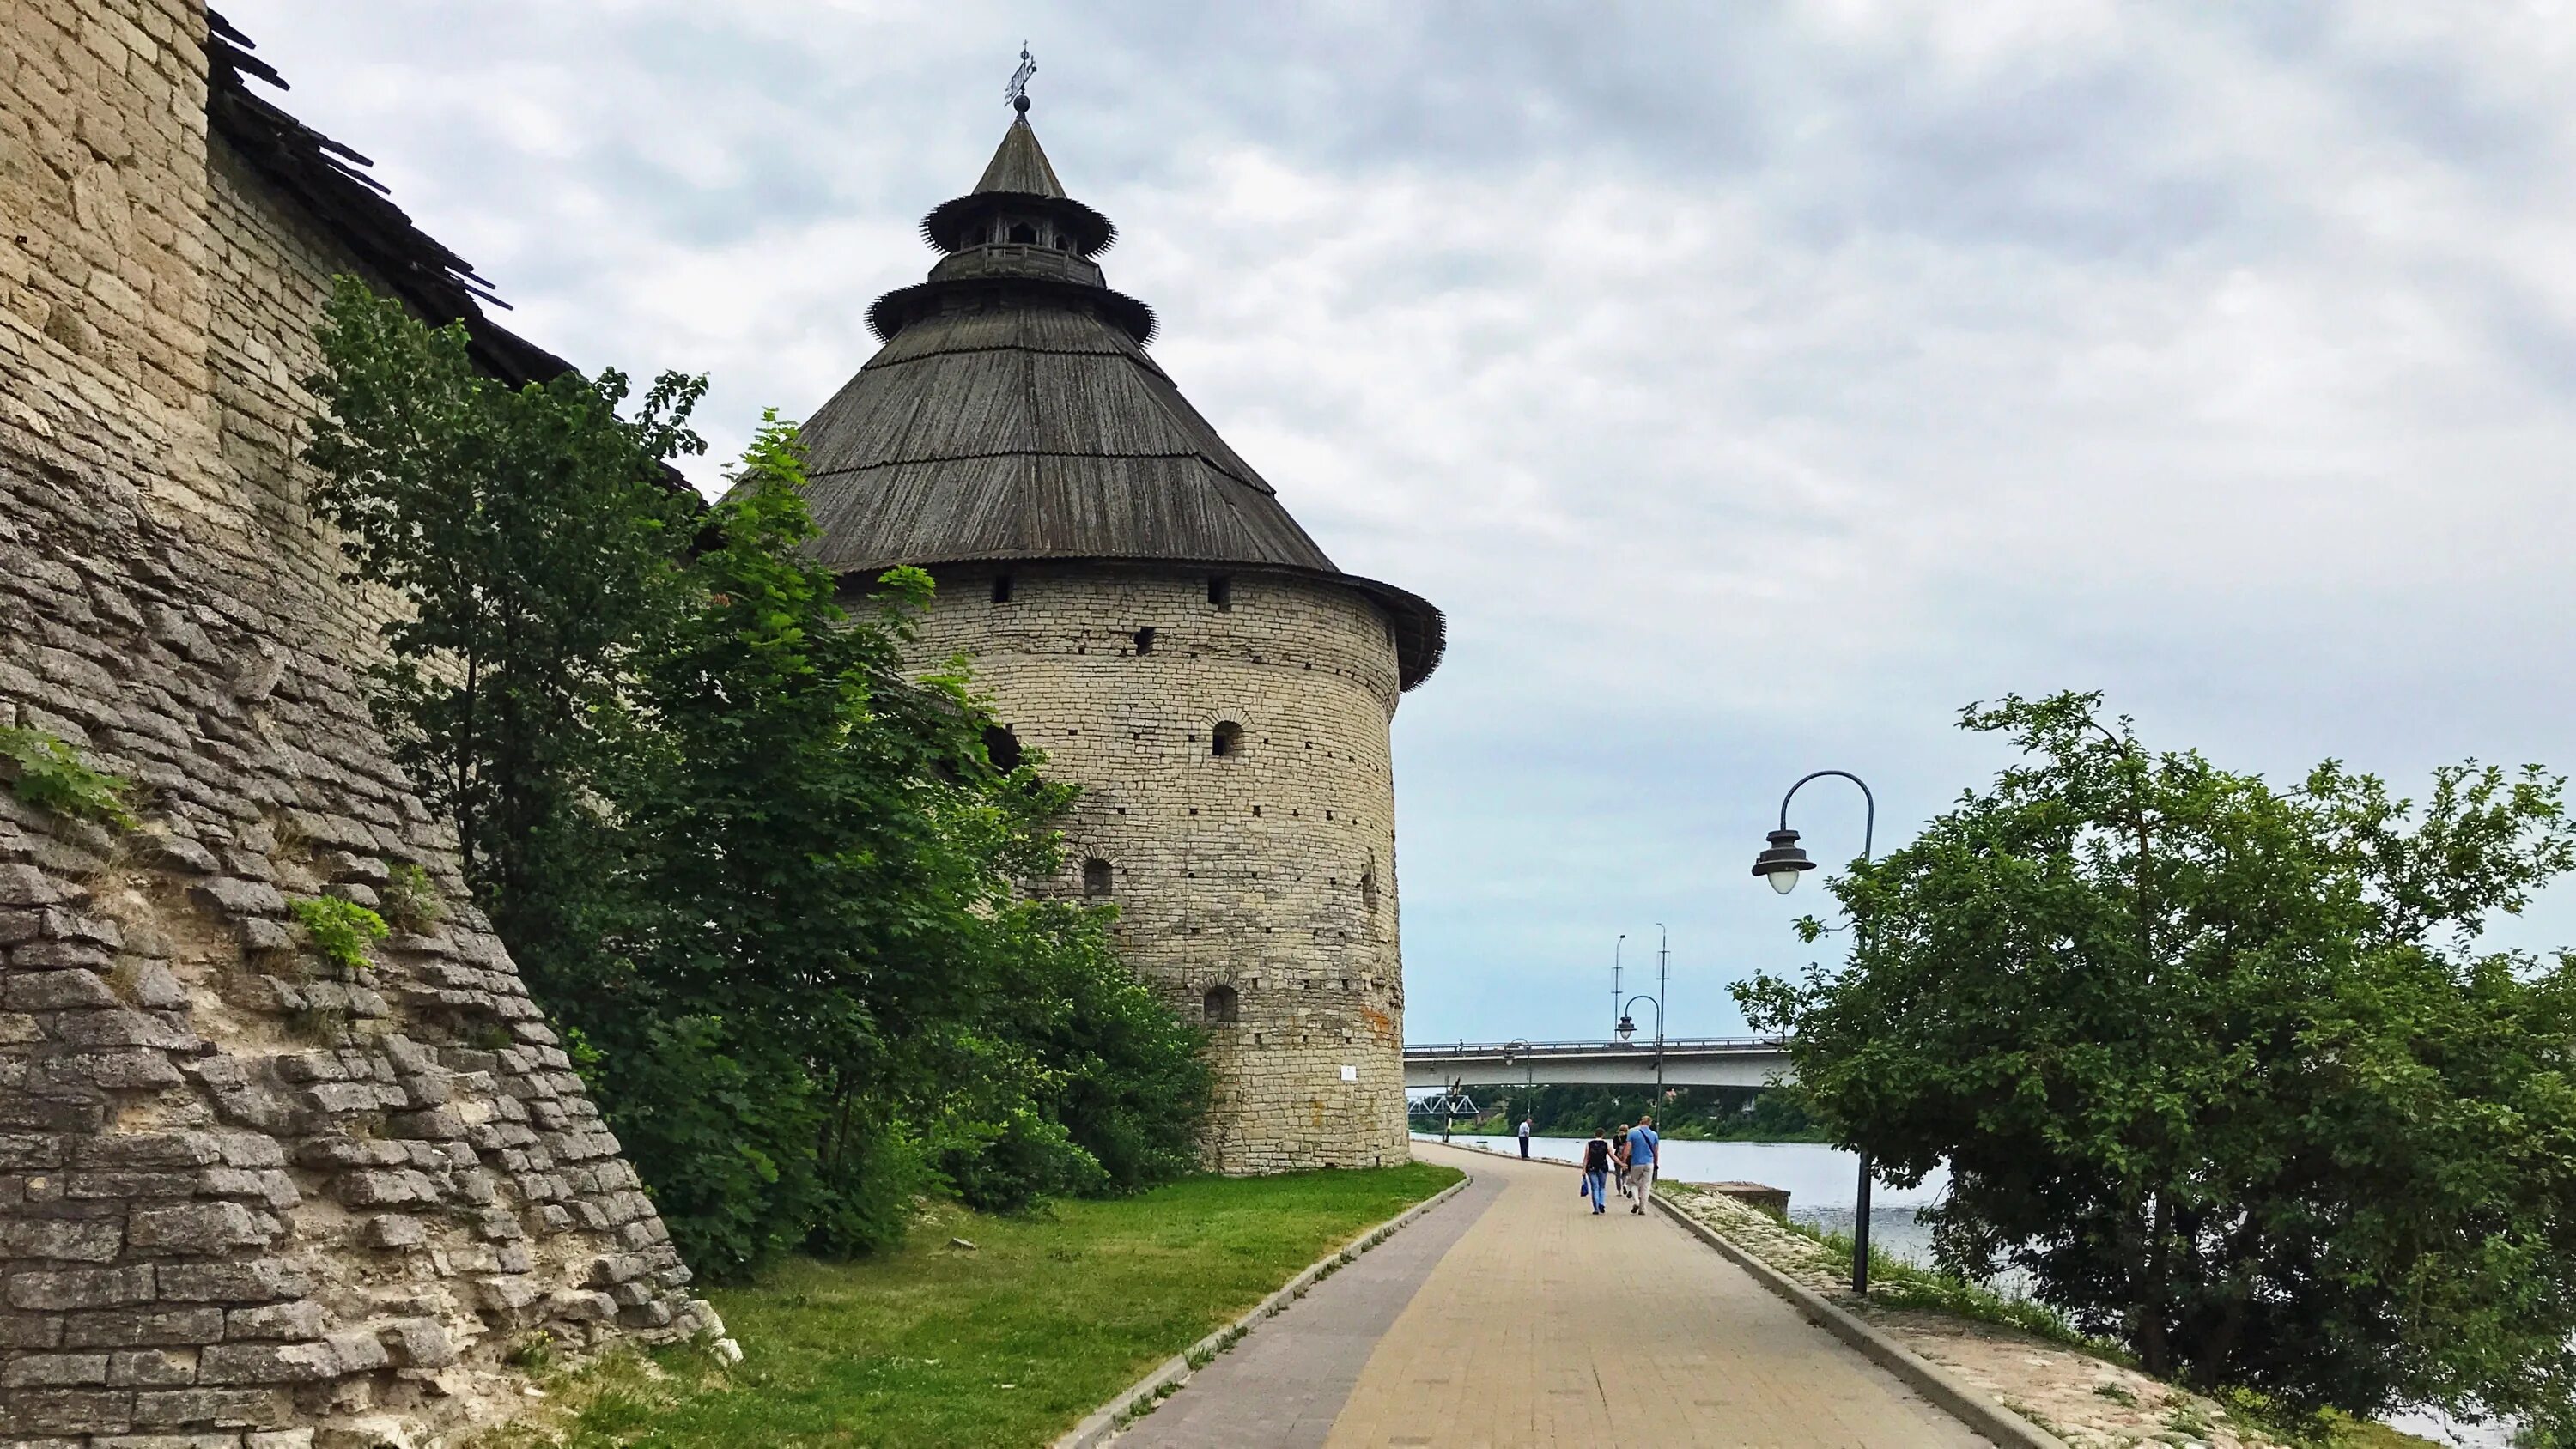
<point x="151" y="1368"/>
<point x="114" y="1070"/>
<point x="417" y="1343"/>
<point x="149" y="1149"/>
<point x="130" y="1184"/>
<point x="237" y="897"/>
<point x="24" y="885"/>
<point x="66" y="1411"/>
<point x="358" y="1351"/>
<point x="56" y="990"/>
<point x="143" y="1328"/>
<point x="53" y="1370"/>
<point x="395" y="1230"/>
<point x="76" y="1240"/>
<point x="31" y="1330"/>
<point x="267" y="1363"/>
<point x="28" y="1153"/>
<point x="580" y="1307"/>
<point x="262" y="1280"/>
<point x="66" y="1288"/>
<point x="198" y="1230"/>
<point x="225" y="1408"/>
<point x="298" y="1319"/>
<point x="378" y="1189"/>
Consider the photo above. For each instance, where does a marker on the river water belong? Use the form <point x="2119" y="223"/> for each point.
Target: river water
<point x="1823" y="1183"/>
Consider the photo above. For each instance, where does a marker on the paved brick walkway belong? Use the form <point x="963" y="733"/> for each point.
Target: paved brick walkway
<point x="1283" y="1387"/>
<point x="1511" y="1316"/>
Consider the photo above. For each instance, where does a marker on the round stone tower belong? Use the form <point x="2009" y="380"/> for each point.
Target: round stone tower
<point x="1141" y="607"/>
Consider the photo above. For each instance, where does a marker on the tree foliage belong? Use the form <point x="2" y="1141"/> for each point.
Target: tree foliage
<point x="762" y="879"/>
<point x="2223" y="1067"/>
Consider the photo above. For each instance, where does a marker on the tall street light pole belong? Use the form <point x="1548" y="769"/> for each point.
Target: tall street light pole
<point x="1529" y="1070"/>
<point x="1663" y="974"/>
<point x="1782" y="864"/>
<point x="1614" y="976"/>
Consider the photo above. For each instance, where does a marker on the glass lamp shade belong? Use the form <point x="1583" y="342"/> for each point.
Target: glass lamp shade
<point x="1627" y="1027"/>
<point x="1782" y="862"/>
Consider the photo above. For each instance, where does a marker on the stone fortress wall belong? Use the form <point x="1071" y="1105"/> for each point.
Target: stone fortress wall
<point x="246" y="1197"/>
<point x="1270" y="871"/>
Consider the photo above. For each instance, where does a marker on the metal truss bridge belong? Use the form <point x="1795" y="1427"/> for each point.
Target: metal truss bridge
<point x="1712" y="1061"/>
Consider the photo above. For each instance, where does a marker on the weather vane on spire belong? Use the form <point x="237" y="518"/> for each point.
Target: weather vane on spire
<point x="1017" y="92"/>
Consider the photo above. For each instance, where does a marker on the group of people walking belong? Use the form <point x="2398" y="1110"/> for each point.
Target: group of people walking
<point x="1630" y="1153"/>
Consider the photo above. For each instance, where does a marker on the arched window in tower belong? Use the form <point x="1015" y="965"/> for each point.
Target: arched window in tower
<point x="1226" y="741"/>
<point x="1024" y="234"/>
<point x="1221" y="591"/>
<point x="1144" y="641"/>
<point x="1368" y="891"/>
<point x="1064" y="241"/>
<point x="1220" y="1005"/>
<point x="1002" y="747"/>
<point x="1095" y="877"/>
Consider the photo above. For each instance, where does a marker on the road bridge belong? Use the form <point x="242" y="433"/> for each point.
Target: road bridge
<point x="1711" y="1061"/>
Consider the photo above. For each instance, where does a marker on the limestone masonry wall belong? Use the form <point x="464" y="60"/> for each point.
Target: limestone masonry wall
<point x="1269" y="871"/>
<point x="246" y="1197"/>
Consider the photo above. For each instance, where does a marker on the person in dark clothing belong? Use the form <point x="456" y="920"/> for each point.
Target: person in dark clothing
<point x="1596" y="1170"/>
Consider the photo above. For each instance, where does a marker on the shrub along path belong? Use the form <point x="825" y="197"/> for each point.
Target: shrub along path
<point x="1006" y="1344"/>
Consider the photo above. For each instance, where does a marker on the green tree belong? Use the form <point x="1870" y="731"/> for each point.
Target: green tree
<point x="762" y="880"/>
<point x="534" y="534"/>
<point x="2222" y="1066"/>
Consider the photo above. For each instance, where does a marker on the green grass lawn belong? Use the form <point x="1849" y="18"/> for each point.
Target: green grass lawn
<point x="1049" y="1316"/>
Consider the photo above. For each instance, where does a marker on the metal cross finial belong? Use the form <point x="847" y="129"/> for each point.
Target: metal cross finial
<point x="1016" y="94"/>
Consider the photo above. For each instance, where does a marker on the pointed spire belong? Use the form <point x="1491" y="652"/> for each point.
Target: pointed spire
<point x="1019" y="165"/>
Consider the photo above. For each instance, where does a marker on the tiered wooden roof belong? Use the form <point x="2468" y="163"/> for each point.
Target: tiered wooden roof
<point x="1013" y="414"/>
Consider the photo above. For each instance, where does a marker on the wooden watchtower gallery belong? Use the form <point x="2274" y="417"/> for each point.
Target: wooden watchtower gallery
<point x="1140" y="606"/>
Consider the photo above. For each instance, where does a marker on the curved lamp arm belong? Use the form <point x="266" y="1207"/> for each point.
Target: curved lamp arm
<point x="1869" y="822"/>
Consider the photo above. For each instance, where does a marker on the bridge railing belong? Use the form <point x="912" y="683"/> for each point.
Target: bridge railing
<point x="1480" y="1050"/>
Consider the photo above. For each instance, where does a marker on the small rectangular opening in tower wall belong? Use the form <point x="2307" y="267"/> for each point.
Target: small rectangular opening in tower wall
<point x="1001" y="588"/>
<point x="1144" y="641"/>
<point x="1221" y="591"/>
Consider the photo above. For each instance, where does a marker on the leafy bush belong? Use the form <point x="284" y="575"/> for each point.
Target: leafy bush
<point x="341" y="930"/>
<point x="50" y="775"/>
<point x="2220" y="1067"/>
<point x="411" y="898"/>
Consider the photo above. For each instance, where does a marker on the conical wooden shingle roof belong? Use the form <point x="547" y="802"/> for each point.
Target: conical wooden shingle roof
<point x="1013" y="414"/>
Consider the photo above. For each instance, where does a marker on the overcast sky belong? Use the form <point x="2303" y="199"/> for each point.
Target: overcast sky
<point x="1751" y="392"/>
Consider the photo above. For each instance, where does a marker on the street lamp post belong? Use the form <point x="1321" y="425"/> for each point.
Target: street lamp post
<point x="1781" y="864"/>
<point x="1529" y="1071"/>
<point x="1628" y="1028"/>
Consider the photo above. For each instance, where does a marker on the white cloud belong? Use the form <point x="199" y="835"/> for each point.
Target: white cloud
<point x="1751" y="395"/>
